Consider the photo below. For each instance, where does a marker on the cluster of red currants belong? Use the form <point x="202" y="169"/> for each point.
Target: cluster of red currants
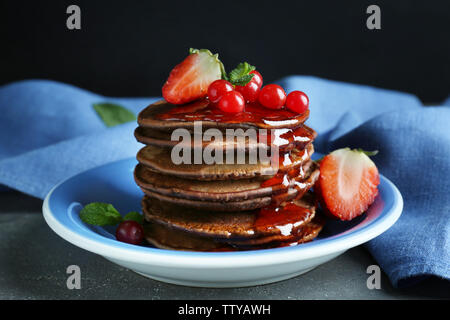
<point x="232" y="99"/>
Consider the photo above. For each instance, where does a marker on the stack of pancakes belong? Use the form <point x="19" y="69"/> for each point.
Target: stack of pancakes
<point x="226" y="206"/>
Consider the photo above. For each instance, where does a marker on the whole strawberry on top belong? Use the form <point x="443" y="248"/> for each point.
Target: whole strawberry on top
<point x="348" y="183"/>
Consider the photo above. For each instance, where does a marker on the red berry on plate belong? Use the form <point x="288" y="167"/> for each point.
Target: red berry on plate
<point x="348" y="183"/>
<point x="250" y="91"/>
<point x="217" y="89"/>
<point x="190" y="80"/>
<point x="272" y="96"/>
<point x="297" y="101"/>
<point x="257" y="78"/>
<point x="232" y="102"/>
<point x="130" y="232"/>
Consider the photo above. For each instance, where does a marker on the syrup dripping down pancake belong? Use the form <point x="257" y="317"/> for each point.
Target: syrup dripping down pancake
<point x="216" y="190"/>
<point x="166" y="237"/>
<point x="284" y="139"/>
<point x="296" y="189"/>
<point x="159" y="160"/>
<point x="282" y="220"/>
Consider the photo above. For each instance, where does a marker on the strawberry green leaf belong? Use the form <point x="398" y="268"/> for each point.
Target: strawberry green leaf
<point x="368" y="153"/>
<point x="319" y="160"/>
<point x="222" y="67"/>
<point x="113" y="114"/>
<point x="224" y="73"/>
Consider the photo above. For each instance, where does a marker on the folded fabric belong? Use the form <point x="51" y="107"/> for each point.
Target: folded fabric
<point x="50" y="131"/>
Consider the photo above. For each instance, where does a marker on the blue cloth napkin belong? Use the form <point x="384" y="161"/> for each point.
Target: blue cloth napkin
<point x="49" y="131"/>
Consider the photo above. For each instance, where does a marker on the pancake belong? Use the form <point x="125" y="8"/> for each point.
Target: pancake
<point x="243" y="205"/>
<point x="283" y="220"/>
<point x="159" y="160"/>
<point x="157" y="138"/>
<point x="216" y="190"/>
<point x="164" y="116"/>
<point x="284" y="139"/>
<point x="298" y="189"/>
<point x="164" y="237"/>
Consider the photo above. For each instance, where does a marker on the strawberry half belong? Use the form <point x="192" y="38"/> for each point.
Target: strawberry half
<point x="189" y="80"/>
<point x="348" y="183"/>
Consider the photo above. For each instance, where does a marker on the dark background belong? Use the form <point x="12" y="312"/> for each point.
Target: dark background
<point x="127" y="48"/>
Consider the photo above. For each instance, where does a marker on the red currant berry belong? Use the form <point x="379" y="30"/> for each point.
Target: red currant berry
<point x="257" y="78"/>
<point x="130" y="232"/>
<point x="217" y="89"/>
<point x="250" y="91"/>
<point x="232" y="102"/>
<point x="272" y="96"/>
<point x="297" y="101"/>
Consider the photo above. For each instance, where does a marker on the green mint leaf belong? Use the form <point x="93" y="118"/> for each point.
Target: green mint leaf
<point x="135" y="216"/>
<point x="100" y="214"/>
<point x="368" y="153"/>
<point x="242" y="81"/>
<point x="241" y="70"/>
<point x="113" y="114"/>
<point x="240" y="76"/>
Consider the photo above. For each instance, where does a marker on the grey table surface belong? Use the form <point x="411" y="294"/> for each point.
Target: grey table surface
<point x="34" y="260"/>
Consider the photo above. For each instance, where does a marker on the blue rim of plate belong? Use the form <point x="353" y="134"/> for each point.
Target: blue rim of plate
<point x="64" y="220"/>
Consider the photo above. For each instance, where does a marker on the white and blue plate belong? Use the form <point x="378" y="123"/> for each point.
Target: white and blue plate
<point x="113" y="183"/>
